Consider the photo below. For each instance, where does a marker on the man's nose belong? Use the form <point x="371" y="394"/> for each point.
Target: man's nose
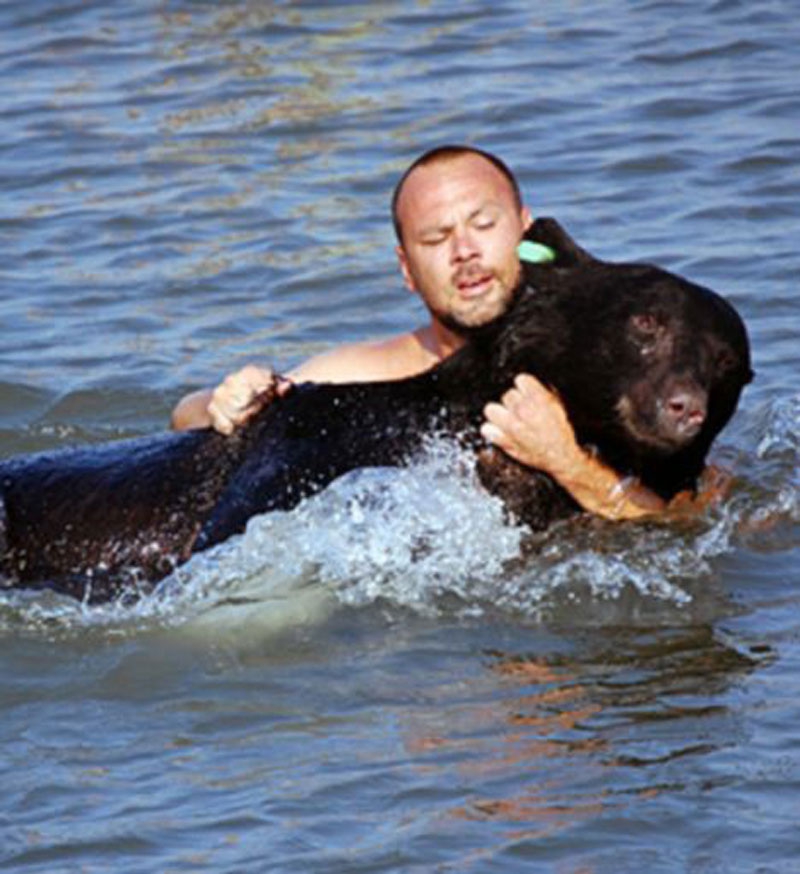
<point x="464" y="245"/>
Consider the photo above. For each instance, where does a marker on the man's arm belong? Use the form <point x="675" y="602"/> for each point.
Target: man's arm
<point x="241" y="394"/>
<point x="191" y="411"/>
<point x="531" y="425"/>
<point x="231" y="403"/>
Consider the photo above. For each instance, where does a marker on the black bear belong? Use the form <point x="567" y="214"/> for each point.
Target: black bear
<point x="649" y="366"/>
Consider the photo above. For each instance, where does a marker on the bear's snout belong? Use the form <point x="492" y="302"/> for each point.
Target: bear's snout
<point x="682" y="411"/>
<point x="665" y="416"/>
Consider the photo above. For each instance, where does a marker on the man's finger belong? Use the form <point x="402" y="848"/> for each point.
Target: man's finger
<point x="495" y="428"/>
<point x="219" y="421"/>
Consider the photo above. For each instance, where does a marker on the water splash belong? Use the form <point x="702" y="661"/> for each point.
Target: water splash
<point x="425" y="538"/>
<point x="781" y="430"/>
<point x="429" y="539"/>
<point x="768" y="509"/>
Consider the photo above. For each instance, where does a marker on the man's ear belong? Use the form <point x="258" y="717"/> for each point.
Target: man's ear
<point x="527" y="218"/>
<point x="402" y="259"/>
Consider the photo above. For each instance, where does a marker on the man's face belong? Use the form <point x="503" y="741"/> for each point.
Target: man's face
<point x="461" y="227"/>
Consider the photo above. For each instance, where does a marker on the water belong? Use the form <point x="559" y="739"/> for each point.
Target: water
<point x="388" y="678"/>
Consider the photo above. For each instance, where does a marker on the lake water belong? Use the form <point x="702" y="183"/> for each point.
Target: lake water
<point x="381" y="680"/>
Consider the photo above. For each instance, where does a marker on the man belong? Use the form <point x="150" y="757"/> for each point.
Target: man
<point x="459" y="217"/>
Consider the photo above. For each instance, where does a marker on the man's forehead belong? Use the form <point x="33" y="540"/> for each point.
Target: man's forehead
<point x="467" y="180"/>
<point x="437" y="217"/>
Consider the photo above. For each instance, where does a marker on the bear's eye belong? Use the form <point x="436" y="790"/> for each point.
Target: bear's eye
<point x="645" y="324"/>
<point x="646" y="330"/>
<point x="726" y="360"/>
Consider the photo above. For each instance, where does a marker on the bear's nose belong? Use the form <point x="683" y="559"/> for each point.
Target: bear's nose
<point x="685" y="410"/>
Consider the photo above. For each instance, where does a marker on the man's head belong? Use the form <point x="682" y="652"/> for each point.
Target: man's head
<point x="458" y="216"/>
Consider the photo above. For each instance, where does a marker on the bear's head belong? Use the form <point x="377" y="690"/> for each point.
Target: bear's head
<point x="650" y="366"/>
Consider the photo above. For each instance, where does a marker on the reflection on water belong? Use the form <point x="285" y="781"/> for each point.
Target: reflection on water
<point x="635" y="718"/>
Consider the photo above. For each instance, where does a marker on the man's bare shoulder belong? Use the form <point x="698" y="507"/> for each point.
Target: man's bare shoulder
<point x="392" y="358"/>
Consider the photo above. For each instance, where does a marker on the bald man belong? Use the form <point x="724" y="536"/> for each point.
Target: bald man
<point x="459" y="217"/>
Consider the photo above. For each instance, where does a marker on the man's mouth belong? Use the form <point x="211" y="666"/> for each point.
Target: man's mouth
<point x="474" y="284"/>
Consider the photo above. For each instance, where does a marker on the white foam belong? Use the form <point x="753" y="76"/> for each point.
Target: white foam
<point x="425" y="538"/>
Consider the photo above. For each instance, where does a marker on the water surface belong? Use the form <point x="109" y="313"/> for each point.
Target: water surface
<point x="385" y="679"/>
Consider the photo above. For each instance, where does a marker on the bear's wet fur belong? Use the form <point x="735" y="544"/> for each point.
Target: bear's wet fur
<point x="649" y="366"/>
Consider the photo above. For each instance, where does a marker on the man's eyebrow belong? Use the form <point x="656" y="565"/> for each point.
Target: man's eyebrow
<point x="444" y="226"/>
<point x="484" y="207"/>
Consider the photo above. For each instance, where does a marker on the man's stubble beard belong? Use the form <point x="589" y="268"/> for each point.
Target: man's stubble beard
<point x="465" y="329"/>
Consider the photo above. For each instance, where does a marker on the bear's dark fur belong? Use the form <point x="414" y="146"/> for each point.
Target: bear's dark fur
<point x="649" y="366"/>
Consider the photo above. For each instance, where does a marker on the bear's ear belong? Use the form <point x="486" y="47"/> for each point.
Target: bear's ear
<point x="549" y="232"/>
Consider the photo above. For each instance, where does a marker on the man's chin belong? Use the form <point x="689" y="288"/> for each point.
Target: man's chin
<point x="464" y="324"/>
<point x="483" y="312"/>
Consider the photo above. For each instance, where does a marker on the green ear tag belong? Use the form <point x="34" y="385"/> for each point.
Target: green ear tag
<point x="535" y="253"/>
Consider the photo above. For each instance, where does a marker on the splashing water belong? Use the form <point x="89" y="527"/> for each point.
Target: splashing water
<point x="781" y="435"/>
<point x="425" y="538"/>
<point x="407" y="536"/>
<point x="769" y="509"/>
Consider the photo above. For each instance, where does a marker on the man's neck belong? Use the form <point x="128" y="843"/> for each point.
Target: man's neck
<point x="437" y="341"/>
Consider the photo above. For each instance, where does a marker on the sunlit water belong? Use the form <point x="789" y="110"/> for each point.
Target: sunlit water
<point x="393" y="677"/>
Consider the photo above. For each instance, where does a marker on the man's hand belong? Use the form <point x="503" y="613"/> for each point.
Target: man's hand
<point x="531" y="425"/>
<point x="242" y="394"/>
